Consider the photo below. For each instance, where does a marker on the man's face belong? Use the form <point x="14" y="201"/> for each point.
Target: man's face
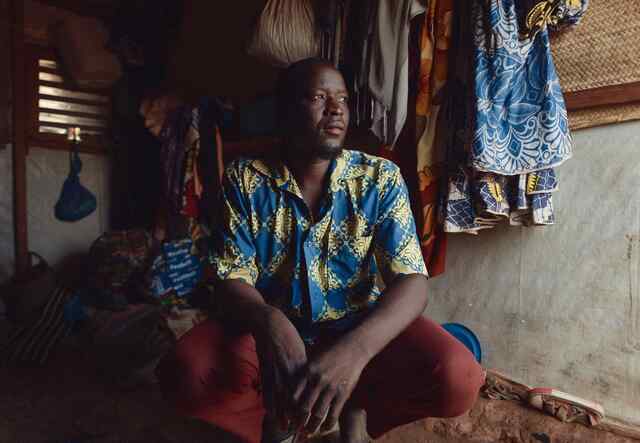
<point x="321" y="114"/>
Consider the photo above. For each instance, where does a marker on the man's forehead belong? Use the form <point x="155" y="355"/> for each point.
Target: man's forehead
<point x="322" y="77"/>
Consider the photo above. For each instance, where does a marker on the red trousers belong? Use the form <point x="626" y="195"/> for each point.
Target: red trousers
<point x="425" y="372"/>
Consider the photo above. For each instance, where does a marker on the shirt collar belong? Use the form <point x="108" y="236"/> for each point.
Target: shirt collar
<point x="342" y="168"/>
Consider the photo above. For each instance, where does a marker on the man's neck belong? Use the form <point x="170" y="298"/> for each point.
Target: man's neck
<point x="309" y="173"/>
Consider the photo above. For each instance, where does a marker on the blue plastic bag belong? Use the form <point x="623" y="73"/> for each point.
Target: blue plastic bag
<point x="176" y="271"/>
<point x="75" y="202"/>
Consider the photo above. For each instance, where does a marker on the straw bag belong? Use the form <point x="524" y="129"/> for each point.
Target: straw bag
<point x="285" y="33"/>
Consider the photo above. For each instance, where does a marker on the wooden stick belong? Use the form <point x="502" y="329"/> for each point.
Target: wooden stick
<point x="19" y="137"/>
<point x="606" y="95"/>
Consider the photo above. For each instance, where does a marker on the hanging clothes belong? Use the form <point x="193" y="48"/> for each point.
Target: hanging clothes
<point x="388" y="67"/>
<point x="333" y="18"/>
<point x="191" y="156"/>
<point x="355" y="66"/>
<point x="192" y="168"/>
<point x="435" y="42"/>
<point x="521" y="122"/>
<point x="513" y="129"/>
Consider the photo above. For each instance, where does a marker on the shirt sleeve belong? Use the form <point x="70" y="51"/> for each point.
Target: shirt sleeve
<point x="397" y="249"/>
<point x="233" y="250"/>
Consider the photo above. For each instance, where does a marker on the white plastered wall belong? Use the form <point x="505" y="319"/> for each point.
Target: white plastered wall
<point x="559" y="306"/>
<point x="53" y="239"/>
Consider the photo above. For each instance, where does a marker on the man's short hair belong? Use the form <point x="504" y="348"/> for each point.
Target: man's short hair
<point x="289" y="85"/>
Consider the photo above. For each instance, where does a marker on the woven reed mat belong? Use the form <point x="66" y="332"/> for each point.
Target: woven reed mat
<point x="603" y="49"/>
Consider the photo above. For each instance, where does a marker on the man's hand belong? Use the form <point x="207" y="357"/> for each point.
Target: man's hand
<point x="282" y="355"/>
<point x="327" y="383"/>
<point x="280" y="349"/>
<point x="330" y="377"/>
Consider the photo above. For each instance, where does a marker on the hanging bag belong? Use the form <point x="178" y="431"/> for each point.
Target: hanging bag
<point x="75" y="202"/>
<point x="285" y="33"/>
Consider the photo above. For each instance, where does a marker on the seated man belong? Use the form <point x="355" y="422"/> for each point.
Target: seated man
<point x="307" y="337"/>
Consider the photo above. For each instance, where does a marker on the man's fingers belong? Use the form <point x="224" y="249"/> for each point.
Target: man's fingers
<point x="334" y="411"/>
<point x="294" y="407"/>
<point x="306" y="403"/>
<point x="298" y="391"/>
<point x="320" y="410"/>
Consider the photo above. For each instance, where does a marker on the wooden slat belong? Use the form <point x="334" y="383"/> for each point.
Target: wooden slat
<point x="69" y="119"/>
<point x="608" y="95"/>
<point x="70" y="94"/>
<point x="19" y="138"/>
<point x="49" y="70"/>
<point x="54" y="105"/>
<point x="47" y="64"/>
<point x="98" y="120"/>
<point x="72" y="100"/>
<point x="48" y="77"/>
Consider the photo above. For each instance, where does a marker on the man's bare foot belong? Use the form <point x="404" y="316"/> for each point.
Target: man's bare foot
<point x="353" y="426"/>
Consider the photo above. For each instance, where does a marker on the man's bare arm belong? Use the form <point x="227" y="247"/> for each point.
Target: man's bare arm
<point x="243" y="304"/>
<point x="330" y="378"/>
<point x="403" y="301"/>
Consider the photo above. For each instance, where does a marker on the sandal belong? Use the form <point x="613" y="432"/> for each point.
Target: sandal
<point x="566" y="407"/>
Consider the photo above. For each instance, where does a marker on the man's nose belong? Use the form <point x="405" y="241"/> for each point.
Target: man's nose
<point x="334" y="107"/>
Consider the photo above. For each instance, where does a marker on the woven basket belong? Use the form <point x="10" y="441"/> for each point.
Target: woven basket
<point x="601" y="51"/>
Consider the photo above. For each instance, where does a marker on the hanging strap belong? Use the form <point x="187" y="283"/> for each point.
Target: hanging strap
<point x="75" y="164"/>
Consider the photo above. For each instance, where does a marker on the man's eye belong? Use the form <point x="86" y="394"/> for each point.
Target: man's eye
<point x="343" y="99"/>
<point x="318" y="97"/>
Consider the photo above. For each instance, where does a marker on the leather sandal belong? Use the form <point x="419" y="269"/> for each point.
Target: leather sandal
<point x="566" y="407"/>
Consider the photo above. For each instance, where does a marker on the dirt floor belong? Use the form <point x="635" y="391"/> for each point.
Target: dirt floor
<point x="66" y="402"/>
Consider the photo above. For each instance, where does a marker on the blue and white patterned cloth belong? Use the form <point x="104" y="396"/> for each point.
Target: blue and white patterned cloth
<point x="521" y="122"/>
<point x="488" y="199"/>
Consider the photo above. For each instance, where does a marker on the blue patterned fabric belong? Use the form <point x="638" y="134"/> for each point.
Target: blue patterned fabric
<point x="521" y="122"/>
<point x="321" y="273"/>
<point x="487" y="199"/>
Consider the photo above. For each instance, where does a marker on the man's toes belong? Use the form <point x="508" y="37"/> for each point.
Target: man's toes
<point x="353" y="427"/>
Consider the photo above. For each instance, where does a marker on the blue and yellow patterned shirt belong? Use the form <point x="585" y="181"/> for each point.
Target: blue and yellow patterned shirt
<point x="320" y="273"/>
